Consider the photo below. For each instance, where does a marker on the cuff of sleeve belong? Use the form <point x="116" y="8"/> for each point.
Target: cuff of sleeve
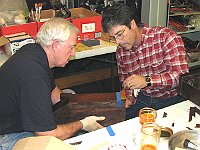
<point x="156" y="81"/>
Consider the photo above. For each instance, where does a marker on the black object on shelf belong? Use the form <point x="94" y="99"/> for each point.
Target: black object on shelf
<point x="91" y="42"/>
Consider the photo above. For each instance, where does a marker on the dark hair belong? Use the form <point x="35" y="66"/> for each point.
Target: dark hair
<point x="117" y="14"/>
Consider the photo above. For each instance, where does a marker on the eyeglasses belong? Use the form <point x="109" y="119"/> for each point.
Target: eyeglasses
<point x="118" y="36"/>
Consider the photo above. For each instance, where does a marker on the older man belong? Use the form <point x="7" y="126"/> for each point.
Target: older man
<point x="28" y="90"/>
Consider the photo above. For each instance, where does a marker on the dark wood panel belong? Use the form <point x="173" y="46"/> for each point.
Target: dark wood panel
<point x="79" y="106"/>
<point x="86" y="77"/>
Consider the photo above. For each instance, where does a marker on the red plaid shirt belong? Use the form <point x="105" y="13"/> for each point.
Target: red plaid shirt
<point x="161" y="55"/>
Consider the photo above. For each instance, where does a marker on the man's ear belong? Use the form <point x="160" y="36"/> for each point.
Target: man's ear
<point x="133" y="24"/>
<point x="55" y="45"/>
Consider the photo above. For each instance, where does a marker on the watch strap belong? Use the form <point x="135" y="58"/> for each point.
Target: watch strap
<point x="148" y="80"/>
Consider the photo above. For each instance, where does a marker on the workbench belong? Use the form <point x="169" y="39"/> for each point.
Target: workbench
<point x="128" y="133"/>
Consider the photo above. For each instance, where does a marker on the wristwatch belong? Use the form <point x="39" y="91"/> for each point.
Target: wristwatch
<point x="148" y="80"/>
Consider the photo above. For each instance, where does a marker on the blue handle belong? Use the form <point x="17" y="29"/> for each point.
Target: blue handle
<point x="110" y="131"/>
<point x="119" y="99"/>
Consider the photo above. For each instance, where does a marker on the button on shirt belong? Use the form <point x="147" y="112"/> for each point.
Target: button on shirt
<point x="161" y="55"/>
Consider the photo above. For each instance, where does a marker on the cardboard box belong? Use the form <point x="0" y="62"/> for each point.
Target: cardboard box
<point x="88" y="22"/>
<point x="13" y="42"/>
<point x="42" y="143"/>
<point x="45" y="15"/>
<point x="3" y="40"/>
<point x="29" y="28"/>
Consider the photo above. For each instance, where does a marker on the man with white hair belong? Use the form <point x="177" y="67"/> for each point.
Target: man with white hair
<point x="28" y="90"/>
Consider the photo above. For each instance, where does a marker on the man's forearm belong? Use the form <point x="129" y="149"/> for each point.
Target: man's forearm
<point x="55" y="95"/>
<point x="64" y="131"/>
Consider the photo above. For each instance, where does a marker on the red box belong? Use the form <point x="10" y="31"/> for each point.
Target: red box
<point x="29" y="28"/>
<point x="39" y="24"/>
<point x="88" y="22"/>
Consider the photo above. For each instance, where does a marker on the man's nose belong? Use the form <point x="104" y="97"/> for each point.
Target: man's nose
<point x="118" y="41"/>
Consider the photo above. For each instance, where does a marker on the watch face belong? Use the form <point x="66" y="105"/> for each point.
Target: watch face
<point x="148" y="79"/>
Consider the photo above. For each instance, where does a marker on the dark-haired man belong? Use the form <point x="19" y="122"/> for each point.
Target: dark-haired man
<point x="149" y="59"/>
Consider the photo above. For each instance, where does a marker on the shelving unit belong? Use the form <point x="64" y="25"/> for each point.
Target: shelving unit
<point x="158" y="13"/>
<point x="179" y="19"/>
<point x="184" y="15"/>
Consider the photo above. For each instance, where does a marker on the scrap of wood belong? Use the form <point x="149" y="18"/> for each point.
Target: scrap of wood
<point x="192" y="112"/>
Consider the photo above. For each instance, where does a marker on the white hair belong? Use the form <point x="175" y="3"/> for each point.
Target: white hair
<point x="55" y="29"/>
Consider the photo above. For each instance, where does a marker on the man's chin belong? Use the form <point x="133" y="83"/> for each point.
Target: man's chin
<point x="125" y="46"/>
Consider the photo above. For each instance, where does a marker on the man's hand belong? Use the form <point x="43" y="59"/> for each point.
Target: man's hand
<point x="134" y="82"/>
<point x="130" y="100"/>
<point x="55" y="95"/>
<point x="90" y="123"/>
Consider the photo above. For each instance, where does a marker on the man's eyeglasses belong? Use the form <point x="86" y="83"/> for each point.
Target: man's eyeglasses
<point x="118" y="36"/>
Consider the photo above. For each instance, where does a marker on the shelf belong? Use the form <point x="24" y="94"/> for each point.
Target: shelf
<point x="82" y="51"/>
<point x="184" y="14"/>
<point x="189" y="31"/>
<point x="192" y="64"/>
<point x="104" y="48"/>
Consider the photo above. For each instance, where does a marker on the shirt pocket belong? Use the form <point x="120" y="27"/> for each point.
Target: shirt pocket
<point x="158" y="66"/>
